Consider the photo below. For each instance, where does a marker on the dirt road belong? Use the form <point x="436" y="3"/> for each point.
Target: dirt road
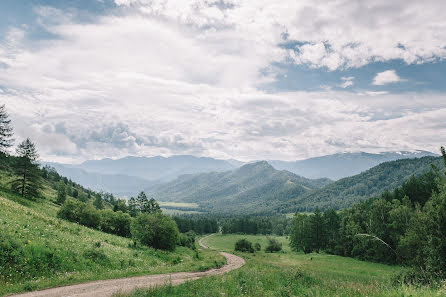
<point x="107" y="288"/>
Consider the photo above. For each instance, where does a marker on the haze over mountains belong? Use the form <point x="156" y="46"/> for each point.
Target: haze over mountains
<point x="129" y="175"/>
<point x="342" y="165"/>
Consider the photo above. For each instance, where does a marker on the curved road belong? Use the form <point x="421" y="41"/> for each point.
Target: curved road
<point x="106" y="288"/>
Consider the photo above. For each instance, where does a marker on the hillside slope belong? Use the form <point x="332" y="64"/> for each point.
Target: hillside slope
<point x="39" y="250"/>
<point x="252" y="188"/>
<point x="371" y="183"/>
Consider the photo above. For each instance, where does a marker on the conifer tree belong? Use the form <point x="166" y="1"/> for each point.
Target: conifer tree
<point x="133" y="207"/>
<point x="142" y="203"/>
<point x="28" y="179"/>
<point x="5" y="130"/>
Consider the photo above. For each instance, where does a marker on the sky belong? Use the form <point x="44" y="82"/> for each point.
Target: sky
<point x="229" y="79"/>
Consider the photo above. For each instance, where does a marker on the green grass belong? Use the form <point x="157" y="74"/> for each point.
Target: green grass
<point x="294" y="274"/>
<point x="77" y="253"/>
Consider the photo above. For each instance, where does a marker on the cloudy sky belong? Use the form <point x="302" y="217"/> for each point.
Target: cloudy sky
<point x="243" y="79"/>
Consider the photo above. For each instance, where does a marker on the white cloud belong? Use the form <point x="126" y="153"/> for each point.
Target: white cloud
<point x="386" y="77"/>
<point x="181" y="78"/>
<point x="332" y="34"/>
<point x="347" y="82"/>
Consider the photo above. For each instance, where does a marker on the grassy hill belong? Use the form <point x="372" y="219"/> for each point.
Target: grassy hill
<point x="252" y="188"/>
<point x="370" y="183"/>
<point x="39" y="250"/>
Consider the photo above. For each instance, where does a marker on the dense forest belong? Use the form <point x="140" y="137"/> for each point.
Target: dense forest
<point x="404" y="226"/>
<point x="371" y="183"/>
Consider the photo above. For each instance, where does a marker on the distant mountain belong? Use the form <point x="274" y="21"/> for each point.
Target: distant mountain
<point x="118" y="184"/>
<point x="129" y="175"/>
<point x="251" y="188"/>
<point x="371" y="183"/>
<point x="338" y="166"/>
<point x="157" y="168"/>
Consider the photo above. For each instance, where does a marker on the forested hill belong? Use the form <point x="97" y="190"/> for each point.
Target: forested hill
<point x="371" y="183"/>
<point x="254" y="187"/>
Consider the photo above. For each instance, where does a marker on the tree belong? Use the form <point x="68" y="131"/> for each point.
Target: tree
<point x="27" y="182"/>
<point x="142" y="202"/>
<point x="133" y="207"/>
<point x="317" y="224"/>
<point x="98" y="202"/>
<point x="156" y="230"/>
<point x="61" y="193"/>
<point x="145" y="205"/>
<point x="152" y="206"/>
<point x="5" y="130"/>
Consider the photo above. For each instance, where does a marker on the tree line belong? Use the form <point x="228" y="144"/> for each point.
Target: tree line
<point x="278" y="225"/>
<point x="406" y="226"/>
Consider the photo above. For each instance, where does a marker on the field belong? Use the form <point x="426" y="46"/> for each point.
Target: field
<point x="289" y="273"/>
<point x="178" y="204"/>
<point x="179" y="208"/>
<point x="54" y="252"/>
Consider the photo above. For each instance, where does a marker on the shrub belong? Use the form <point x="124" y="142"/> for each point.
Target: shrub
<point x="90" y="216"/>
<point x="115" y="222"/>
<point x="96" y="255"/>
<point x="187" y="239"/>
<point x="155" y="230"/>
<point x="273" y="246"/>
<point x="244" y="245"/>
<point x="71" y="211"/>
<point x="257" y="246"/>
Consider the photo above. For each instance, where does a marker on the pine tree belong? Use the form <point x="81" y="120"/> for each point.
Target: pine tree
<point x="5" y="130"/>
<point x="153" y="206"/>
<point x="27" y="170"/>
<point x="142" y="203"/>
<point x="133" y="207"/>
<point x="61" y="193"/>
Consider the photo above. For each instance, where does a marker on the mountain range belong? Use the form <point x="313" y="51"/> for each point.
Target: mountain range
<point x="342" y="165"/>
<point x="252" y="187"/>
<point x="127" y="176"/>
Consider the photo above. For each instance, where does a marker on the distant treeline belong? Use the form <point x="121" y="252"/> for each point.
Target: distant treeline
<point x="278" y="225"/>
<point x="406" y="226"/>
<point x="197" y="224"/>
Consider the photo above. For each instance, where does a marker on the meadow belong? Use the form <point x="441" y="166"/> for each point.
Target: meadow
<point x="45" y="251"/>
<point x="288" y="273"/>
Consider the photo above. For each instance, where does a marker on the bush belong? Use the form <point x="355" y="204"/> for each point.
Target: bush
<point x="86" y="214"/>
<point x="244" y="245"/>
<point x="257" y="246"/>
<point x="156" y="230"/>
<point x="187" y="239"/>
<point x="273" y="246"/>
<point x="115" y="222"/>
<point x="90" y="216"/>
<point x="417" y="277"/>
<point x="71" y="211"/>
